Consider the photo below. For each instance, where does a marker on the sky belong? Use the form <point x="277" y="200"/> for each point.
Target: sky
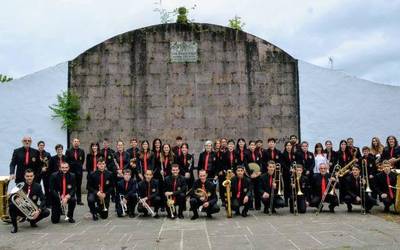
<point x="361" y="36"/>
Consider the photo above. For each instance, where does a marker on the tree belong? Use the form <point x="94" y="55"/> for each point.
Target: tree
<point x="67" y="108"/>
<point x="236" y="23"/>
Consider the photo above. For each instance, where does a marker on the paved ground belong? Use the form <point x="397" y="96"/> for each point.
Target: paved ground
<point x="258" y="231"/>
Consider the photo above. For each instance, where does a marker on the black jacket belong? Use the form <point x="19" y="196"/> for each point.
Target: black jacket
<point x="246" y="187"/>
<point x="229" y="164"/>
<point x="307" y="160"/>
<point x="381" y="183"/>
<point x="18" y="167"/>
<point x="180" y="186"/>
<point x="149" y="160"/>
<point x="316" y="184"/>
<point x="212" y="168"/>
<point x="76" y="165"/>
<point x="94" y="182"/>
<point x="108" y="155"/>
<point x="56" y="183"/>
<point x="185" y="166"/>
<point x="149" y="190"/>
<point x="209" y="187"/>
<point x="90" y="163"/>
<point x="54" y="164"/>
<point x="36" y="195"/>
<point x="127" y="190"/>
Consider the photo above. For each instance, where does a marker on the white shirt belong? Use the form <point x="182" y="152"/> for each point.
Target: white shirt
<point x="320" y="158"/>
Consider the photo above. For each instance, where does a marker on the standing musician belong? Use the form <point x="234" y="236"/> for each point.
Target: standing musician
<point x="241" y="152"/>
<point x="370" y="162"/>
<point x="177" y="149"/>
<point x="267" y="183"/>
<point x="386" y="186"/>
<point x="306" y="158"/>
<point x="207" y="161"/>
<point x="272" y="154"/>
<point x="355" y="151"/>
<point x="220" y="173"/>
<point x="242" y="189"/>
<point x="108" y="154"/>
<point x="149" y="192"/>
<point x="224" y="145"/>
<point x="253" y="157"/>
<point x="24" y="158"/>
<point x="156" y="148"/>
<point x="295" y="143"/>
<point x="75" y="157"/>
<point x="203" y="196"/>
<point x="127" y="190"/>
<point x="133" y="151"/>
<point x="175" y="189"/>
<point x="54" y="166"/>
<point x="392" y="152"/>
<point x="100" y="186"/>
<point x="301" y="187"/>
<point x="186" y="162"/>
<point x="44" y="158"/>
<point x="343" y="158"/>
<point x="146" y="158"/>
<point x="34" y="192"/>
<point x="287" y="159"/>
<point x="331" y="155"/>
<point x="319" y="186"/>
<point x="62" y="186"/>
<point x="93" y="157"/>
<point x="353" y="184"/>
<point x="120" y="163"/>
<point x="229" y="162"/>
<point x="260" y="149"/>
<point x="376" y="147"/>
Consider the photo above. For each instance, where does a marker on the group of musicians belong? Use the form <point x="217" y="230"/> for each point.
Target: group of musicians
<point x="160" y="177"/>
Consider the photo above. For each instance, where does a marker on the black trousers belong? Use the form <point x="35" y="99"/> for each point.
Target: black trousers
<point x="154" y="202"/>
<point x="15" y="212"/>
<point x="96" y="207"/>
<point x="369" y="201"/>
<point x="195" y="203"/>
<point x="256" y="192"/>
<point x="180" y="201"/>
<point x="278" y="202"/>
<point x="56" y="208"/>
<point x="301" y="204"/>
<point x="221" y="188"/>
<point x="130" y="205"/>
<point x="332" y="200"/>
<point x="387" y="202"/>
<point x="47" y="193"/>
<point x="237" y="203"/>
<point x="78" y="179"/>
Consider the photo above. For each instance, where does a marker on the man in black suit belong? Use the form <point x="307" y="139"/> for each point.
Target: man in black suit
<point x="24" y="158"/>
<point x="242" y="189"/>
<point x="385" y="183"/>
<point x="75" y="157"/>
<point x="127" y="191"/>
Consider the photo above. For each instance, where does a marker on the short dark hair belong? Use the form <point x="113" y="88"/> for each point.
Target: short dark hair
<point x="29" y="170"/>
<point x="174" y="166"/>
<point x="178" y="137"/>
<point x="271" y="139"/>
<point x="40" y="142"/>
<point x="127" y="171"/>
<point x="59" y="146"/>
<point x="101" y="159"/>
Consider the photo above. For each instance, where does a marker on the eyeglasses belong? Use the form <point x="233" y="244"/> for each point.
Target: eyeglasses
<point x="27" y="140"/>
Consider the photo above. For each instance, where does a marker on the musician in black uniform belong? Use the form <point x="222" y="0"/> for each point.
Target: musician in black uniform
<point x="62" y="186"/>
<point x="93" y="157"/>
<point x="241" y="152"/>
<point x="145" y="158"/>
<point x="306" y="159"/>
<point x="149" y="192"/>
<point x="267" y="183"/>
<point x="253" y="157"/>
<point x="108" y="154"/>
<point x="207" y="161"/>
<point x="301" y="186"/>
<point x="369" y="160"/>
<point x="177" y="149"/>
<point x="385" y="186"/>
<point x="287" y="160"/>
<point x="319" y="188"/>
<point x="34" y="192"/>
<point x="127" y="189"/>
<point x="100" y="186"/>
<point x="392" y="152"/>
<point x="355" y="151"/>
<point x="186" y="162"/>
<point x="175" y="188"/>
<point x="229" y="162"/>
<point x="331" y="155"/>
<point x="242" y="189"/>
<point x="44" y="158"/>
<point x="133" y="151"/>
<point x="54" y="166"/>
<point x="24" y="158"/>
<point x="353" y="184"/>
<point x="260" y="149"/>
<point x="75" y="157"/>
<point x="207" y="201"/>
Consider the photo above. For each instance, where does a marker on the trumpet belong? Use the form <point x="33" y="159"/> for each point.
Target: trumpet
<point x="21" y="200"/>
<point x="102" y="202"/>
<point x="64" y="207"/>
<point x="147" y="207"/>
<point x="202" y="195"/>
<point x="123" y="205"/>
<point x="171" y="205"/>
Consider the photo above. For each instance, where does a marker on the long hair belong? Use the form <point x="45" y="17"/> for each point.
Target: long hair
<point x="237" y="143"/>
<point x="395" y="141"/>
<point x="318" y="145"/>
<point x="376" y="149"/>
<point x="91" y="145"/>
<point x="284" y="147"/>
<point x="153" y="148"/>
<point x="170" y="154"/>
<point x="141" y="154"/>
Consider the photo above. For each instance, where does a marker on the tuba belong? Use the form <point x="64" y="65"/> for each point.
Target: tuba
<point x="22" y="201"/>
<point x="227" y="185"/>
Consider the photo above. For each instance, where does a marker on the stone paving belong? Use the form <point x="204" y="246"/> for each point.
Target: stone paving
<point x="257" y="231"/>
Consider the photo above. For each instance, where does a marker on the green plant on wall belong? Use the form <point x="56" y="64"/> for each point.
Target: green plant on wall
<point x="67" y="108"/>
<point x="236" y="23"/>
<point x="4" y="78"/>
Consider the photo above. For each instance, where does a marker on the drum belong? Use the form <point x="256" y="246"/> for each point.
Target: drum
<point x="4" y="180"/>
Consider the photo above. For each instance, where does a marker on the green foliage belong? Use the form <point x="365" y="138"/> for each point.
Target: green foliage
<point x="182" y="15"/>
<point x="4" y="78"/>
<point x="67" y="108"/>
<point x="236" y="23"/>
<point x="167" y="16"/>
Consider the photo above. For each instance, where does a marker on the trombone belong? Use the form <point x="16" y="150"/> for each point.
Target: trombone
<point x="293" y="185"/>
<point x="335" y="171"/>
<point x="278" y="173"/>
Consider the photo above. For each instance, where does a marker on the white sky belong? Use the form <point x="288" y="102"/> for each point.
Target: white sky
<point x="361" y="36"/>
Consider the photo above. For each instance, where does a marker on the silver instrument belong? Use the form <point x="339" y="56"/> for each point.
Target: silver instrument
<point x="64" y="208"/>
<point x="147" y="207"/>
<point x="123" y="205"/>
<point x="21" y="200"/>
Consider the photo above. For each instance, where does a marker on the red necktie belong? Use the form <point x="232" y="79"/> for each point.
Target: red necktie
<point x="27" y="157"/>
<point x="145" y="161"/>
<point x="206" y="162"/>
<point x="273" y="155"/>
<point x="105" y="153"/>
<point x="323" y="185"/>
<point x="64" y="183"/>
<point x="29" y="190"/>
<point x="102" y="182"/>
<point x="290" y="156"/>
<point x="184" y="160"/>
<point x="121" y="162"/>
<point x="94" y="162"/>
<point x="76" y="154"/>
<point x="148" y="193"/>
<point x="179" y="151"/>
<point x="203" y="187"/>
<point x="391" y="152"/>
<point x="231" y="157"/>
<point x="241" y="155"/>
<point x="390" y="189"/>
<point x="174" y="187"/>
<point x="270" y="181"/>
<point x="60" y="161"/>
<point x="165" y="165"/>
<point x="253" y="156"/>
<point x="239" y="187"/>
<point x="126" y="185"/>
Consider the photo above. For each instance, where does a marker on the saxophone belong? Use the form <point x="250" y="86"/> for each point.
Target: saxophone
<point x="227" y="185"/>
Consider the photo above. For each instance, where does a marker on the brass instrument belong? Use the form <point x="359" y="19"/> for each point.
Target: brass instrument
<point x="171" y="205"/>
<point x="228" y="196"/>
<point x="299" y="193"/>
<point x="147" y="207"/>
<point x="4" y="181"/>
<point x="272" y="194"/>
<point x="202" y="195"/>
<point x="102" y="202"/>
<point x="21" y="200"/>
<point x="254" y="168"/>
<point x="346" y="169"/>
<point x="293" y="185"/>
<point x="363" y="194"/>
<point x="397" y="195"/>
<point x="336" y="168"/>
<point x="123" y="205"/>
<point x="365" y="165"/>
<point x="280" y="180"/>
<point x="64" y="208"/>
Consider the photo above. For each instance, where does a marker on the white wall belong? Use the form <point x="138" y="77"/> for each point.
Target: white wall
<point x="24" y="111"/>
<point x="334" y="105"/>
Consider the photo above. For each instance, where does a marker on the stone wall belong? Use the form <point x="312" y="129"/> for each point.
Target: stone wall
<point x="240" y="86"/>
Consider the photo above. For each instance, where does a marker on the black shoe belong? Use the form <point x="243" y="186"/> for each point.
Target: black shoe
<point x="194" y="217"/>
<point x="251" y="208"/>
<point x="386" y="210"/>
<point x="162" y="209"/>
<point x="274" y="211"/>
<point x="223" y="204"/>
<point x="132" y="215"/>
<point x="95" y="217"/>
<point x="33" y="224"/>
<point x="14" y="230"/>
<point x="156" y="216"/>
<point x="368" y="211"/>
<point x="349" y="209"/>
<point x="71" y="220"/>
<point x="244" y="214"/>
<point x="237" y="212"/>
<point x="209" y="216"/>
<point x="266" y="210"/>
<point x="258" y="208"/>
<point x="180" y="216"/>
<point x="80" y="203"/>
<point x="332" y="209"/>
